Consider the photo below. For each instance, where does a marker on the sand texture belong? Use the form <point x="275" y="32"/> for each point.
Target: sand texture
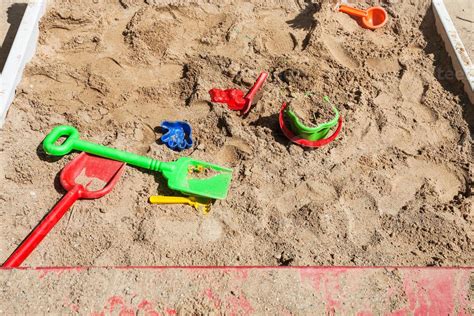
<point x="395" y="188"/>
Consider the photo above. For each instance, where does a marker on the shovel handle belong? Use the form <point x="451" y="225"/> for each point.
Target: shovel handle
<point x="257" y="86"/>
<point x="353" y="11"/>
<point x="40" y="232"/>
<point x="49" y="143"/>
<point x="249" y="98"/>
<point x="73" y="142"/>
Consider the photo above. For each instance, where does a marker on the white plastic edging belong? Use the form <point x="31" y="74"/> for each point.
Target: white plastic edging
<point x="21" y="52"/>
<point x="463" y="66"/>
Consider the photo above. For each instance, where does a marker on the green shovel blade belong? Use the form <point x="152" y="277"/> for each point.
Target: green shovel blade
<point x="196" y="177"/>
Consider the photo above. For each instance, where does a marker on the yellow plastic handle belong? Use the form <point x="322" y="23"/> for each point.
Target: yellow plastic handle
<point x="159" y="199"/>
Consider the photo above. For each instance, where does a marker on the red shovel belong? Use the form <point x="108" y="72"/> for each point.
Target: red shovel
<point x="86" y="177"/>
<point x="235" y="98"/>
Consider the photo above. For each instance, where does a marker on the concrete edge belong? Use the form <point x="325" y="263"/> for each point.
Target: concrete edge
<point x="362" y="291"/>
<point x="463" y="66"/>
<point x="21" y="52"/>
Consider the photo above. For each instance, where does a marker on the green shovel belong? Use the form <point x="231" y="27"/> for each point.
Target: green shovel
<point x="189" y="176"/>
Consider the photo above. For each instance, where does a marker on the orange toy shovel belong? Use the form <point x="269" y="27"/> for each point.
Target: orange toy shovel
<point x="372" y="18"/>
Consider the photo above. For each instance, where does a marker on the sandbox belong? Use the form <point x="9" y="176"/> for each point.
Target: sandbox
<point x="393" y="189"/>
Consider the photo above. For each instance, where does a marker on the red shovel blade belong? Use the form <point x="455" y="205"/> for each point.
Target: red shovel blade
<point x="97" y="175"/>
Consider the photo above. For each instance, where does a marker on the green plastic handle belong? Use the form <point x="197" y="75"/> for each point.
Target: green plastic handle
<point x="73" y="142"/>
<point x="67" y="146"/>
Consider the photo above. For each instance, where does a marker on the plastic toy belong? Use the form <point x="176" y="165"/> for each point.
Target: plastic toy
<point x="187" y="175"/>
<point x="202" y="204"/>
<point x="235" y="98"/>
<point x="312" y="133"/>
<point x="372" y="18"/>
<point x="176" y="135"/>
<point x="105" y="170"/>
<point x="304" y="142"/>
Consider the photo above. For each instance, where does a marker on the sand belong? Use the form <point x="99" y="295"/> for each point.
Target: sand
<point x="395" y="188"/>
<point x="90" y="183"/>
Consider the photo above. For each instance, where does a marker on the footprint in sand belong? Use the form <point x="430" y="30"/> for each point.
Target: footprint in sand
<point x="277" y="39"/>
<point x="337" y="51"/>
<point x="411" y="87"/>
<point x="108" y="65"/>
<point x="406" y="181"/>
<point x="210" y="230"/>
<point x="383" y="65"/>
<point x="412" y="90"/>
<point x="362" y="216"/>
<point x="232" y="151"/>
<point x="61" y="89"/>
<point x="169" y="73"/>
<point x="412" y="132"/>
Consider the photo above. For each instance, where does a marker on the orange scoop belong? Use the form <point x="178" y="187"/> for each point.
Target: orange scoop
<point x="372" y="18"/>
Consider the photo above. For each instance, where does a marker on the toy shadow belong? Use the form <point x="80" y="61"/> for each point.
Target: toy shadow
<point x="159" y="130"/>
<point x="44" y="156"/>
<point x="271" y="122"/>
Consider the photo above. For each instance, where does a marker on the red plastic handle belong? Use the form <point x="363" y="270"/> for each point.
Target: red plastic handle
<point x="40" y="232"/>
<point x="253" y="91"/>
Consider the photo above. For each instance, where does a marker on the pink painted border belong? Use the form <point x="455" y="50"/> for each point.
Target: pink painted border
<point x="53" y="268"/>
<point x="427" y="290"/>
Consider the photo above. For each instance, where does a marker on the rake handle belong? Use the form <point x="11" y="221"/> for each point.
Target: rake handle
<point x="157" y="199"/>
<point x="44" y="227"/>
